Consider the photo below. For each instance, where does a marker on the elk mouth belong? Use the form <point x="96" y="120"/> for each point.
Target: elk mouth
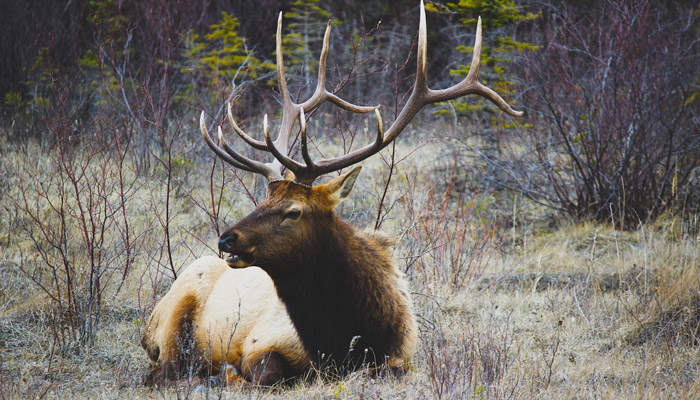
<point x="241" y="259"/>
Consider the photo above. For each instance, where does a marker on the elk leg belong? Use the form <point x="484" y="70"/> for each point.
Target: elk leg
<point x="266" y="369"/>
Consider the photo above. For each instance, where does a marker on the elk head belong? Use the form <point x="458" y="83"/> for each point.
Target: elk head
<point x="292" y="218"/>
<point x="293" y="203"/>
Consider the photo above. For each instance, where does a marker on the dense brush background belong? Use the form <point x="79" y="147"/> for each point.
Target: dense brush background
<point x="551" y="256"/>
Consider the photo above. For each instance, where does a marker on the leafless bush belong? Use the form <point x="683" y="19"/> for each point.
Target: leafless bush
<point x="75" y="217"/>
<point x="447" y="235"/>
<point x="613" y="98"/>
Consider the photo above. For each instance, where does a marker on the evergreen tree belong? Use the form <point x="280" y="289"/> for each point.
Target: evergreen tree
<point x="222" y="53"/>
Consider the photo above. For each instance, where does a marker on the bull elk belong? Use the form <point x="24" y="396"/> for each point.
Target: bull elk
<point x="342" y="291"/>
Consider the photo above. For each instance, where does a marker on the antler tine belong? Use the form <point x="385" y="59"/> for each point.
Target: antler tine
<point x="253" y="165"/>
<point x="290" y="111"/>
<point x="213" y="146"/>
<point x="257" y="144"/>
<point x="304" y="146"/>
<point x="471" y="84"/>
<point x="473" y="74"/>
<point x="321" y="94"/>
<point x="320" y="91"/>
<point x="284" y="92"/>
<point x="247" y="165"/>
<point x="421" y="82"/>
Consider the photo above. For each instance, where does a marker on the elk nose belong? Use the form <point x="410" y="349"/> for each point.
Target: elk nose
<point x="227" y="241"/>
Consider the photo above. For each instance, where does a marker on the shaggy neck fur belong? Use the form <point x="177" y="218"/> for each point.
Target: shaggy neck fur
<point x="350" y="306"/>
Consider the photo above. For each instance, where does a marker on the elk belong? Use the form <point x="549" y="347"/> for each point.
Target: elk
<point x="340" y="287"/>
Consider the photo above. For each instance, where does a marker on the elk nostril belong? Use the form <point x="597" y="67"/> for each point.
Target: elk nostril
<point x="226" y="242"/>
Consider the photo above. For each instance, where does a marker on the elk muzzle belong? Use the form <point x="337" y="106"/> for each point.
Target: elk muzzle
<point x="239" y="256"/>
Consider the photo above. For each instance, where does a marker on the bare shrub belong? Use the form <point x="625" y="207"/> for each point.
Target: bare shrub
<point x="613" y="98"/>
<point x="75" y="218"/>
<point x="447" y="236"/>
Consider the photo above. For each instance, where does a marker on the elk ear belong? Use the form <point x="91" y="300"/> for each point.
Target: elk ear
<point x="340" y="187"/>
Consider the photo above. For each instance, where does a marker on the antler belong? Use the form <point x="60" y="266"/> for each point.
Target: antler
<point x="290" y="112"/>
<point x="421" y="95"/>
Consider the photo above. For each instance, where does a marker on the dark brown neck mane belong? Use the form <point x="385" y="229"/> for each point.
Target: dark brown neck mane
<point x="347" y="305"/>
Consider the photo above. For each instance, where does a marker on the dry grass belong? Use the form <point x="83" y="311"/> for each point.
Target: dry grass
<point x="508" y="306"/>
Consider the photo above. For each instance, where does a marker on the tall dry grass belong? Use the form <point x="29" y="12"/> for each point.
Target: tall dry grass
<point x="512" y="302"/>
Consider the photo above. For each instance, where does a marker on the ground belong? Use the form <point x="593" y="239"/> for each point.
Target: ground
<point x="513" y="300"/>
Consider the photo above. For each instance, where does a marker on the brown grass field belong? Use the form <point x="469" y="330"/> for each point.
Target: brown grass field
<point x="513" y="301"/>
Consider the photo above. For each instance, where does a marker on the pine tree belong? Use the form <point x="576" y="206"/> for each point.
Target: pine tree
<point x="222" y="56"/>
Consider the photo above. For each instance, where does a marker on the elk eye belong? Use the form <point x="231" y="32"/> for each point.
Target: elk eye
<point x="292" y="214"/>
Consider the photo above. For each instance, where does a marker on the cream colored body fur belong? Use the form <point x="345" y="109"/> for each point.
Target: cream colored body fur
<point x="236" y="318"/>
